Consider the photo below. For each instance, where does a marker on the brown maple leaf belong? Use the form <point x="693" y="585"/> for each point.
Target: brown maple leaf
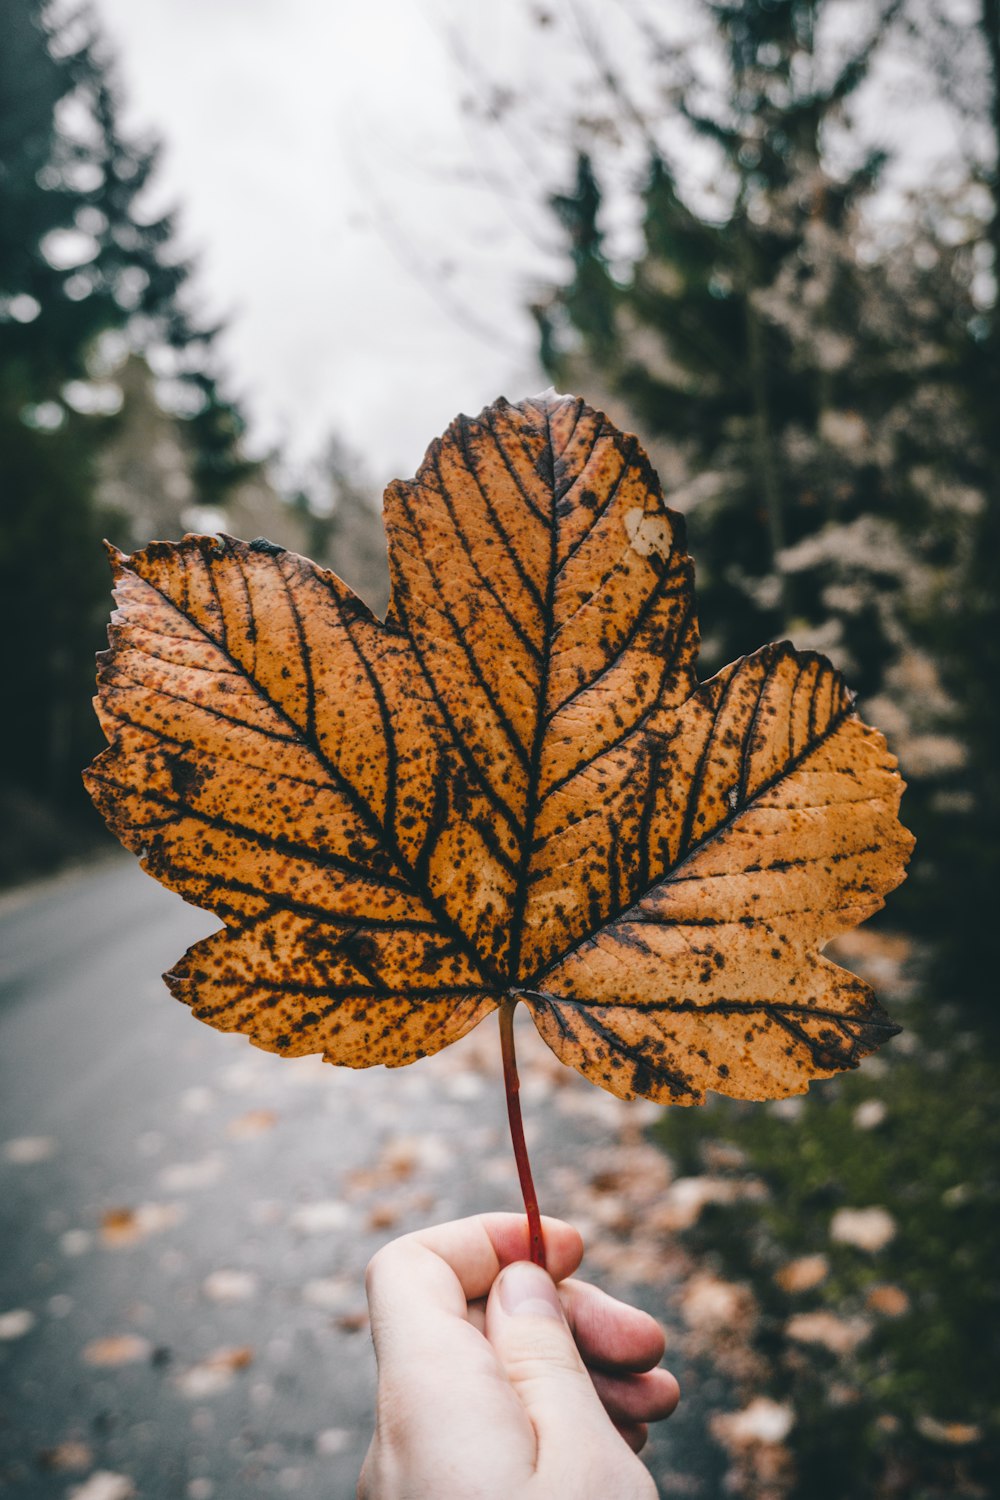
<point x="513" y="788"/>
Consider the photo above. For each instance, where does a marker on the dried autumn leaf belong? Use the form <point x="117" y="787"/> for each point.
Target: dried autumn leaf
<point x="214" y="1373"/>
<point x="118" y="1349"/>
<point x="513" y="788"/>
<point x="124" y="1227"/>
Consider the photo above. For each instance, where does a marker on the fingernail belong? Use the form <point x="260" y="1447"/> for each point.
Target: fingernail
<point x="528" y="1291"/>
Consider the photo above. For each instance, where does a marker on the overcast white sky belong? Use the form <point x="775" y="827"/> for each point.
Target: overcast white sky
<point x="372" y="247"/>
<point x="326" y="179"/>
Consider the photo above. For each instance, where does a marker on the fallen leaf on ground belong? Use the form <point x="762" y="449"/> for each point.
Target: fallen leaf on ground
<point x="25" y="1150"/>
<point x="333" y="1440"/>
<point x="214" y="1373"/>
<point x="708" y="1303"/>
<point x="466" y="1087"/>
<point x="241" y="1077"/>
<point x="839" y="1335"/>
<point x="952" y="1434"/>
<point x="103" y="1485"/>
<point x="399" y="1159"/>
<point x="788" y="1110"/>
<point x="329" y="1292"/>
<point x="321" y="1217"/>
<point x="683" y="1486"/>
<point x="191" y="1176"/>
<point x="763" y="1421"/>
<point x="16" y="1323"/>
<point x="355" y="1322"/>
<point x="802" y="1274"/>
<point x="118" y="1349"/>
<point x="383" y="1216"/>
<point x="75" y="1242"/>
<point x="839" y="1394"/>
<point x="254" y="1123"/>
<point x="197" y="1101"/>
<point x="873" y="942"/>
<point x="631" y="1167"/>
<point x="761" y="1464"/>
<point x="230" y="1286"/>
<point x="66" y="1456"/>
<point x="688" y="1196"/>
<point x="723" y="1156"/>
<point x="635" y="1260"/>
<point x="870" y="1114"/>
<point x="879" y="956"/>
<point x="866" y="1228"/>
<point x="123" y="1227"/>
<point x="890" y="1301"/>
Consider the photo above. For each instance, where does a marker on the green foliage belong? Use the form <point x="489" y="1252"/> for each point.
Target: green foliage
<point x="589" y="300"/>
<point x="967" y="839"/>
<point x="875" y="1422"/>
<point x="52" y="630"/>
<point x="68" y="197"/>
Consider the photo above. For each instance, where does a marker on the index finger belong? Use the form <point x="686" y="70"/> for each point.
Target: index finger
<point x="419" y="1289"/>
<point x="473" y="1251"/>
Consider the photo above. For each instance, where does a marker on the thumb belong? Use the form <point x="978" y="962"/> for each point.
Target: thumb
<point x="531" y="1338"/>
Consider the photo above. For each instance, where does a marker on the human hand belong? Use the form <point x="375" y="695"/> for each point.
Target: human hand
<point x="495" y="1385"/>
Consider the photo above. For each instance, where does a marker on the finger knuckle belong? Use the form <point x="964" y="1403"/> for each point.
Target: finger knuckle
<point x="379" y="1268"/>
<point x="538" y="1355"/>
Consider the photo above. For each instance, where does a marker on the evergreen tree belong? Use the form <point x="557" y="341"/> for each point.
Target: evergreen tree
<point x="82" y="269"/>
<point x="965" y="869"/>
<point x="339" y="510"/>
<point x="805" y="389"/>
<point x="738" y="342"/>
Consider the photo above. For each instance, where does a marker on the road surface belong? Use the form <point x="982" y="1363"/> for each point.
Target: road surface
<point x="185" y="1220"/>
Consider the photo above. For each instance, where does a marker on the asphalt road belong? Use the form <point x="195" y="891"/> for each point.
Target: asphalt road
<point x="185" y="1220"/>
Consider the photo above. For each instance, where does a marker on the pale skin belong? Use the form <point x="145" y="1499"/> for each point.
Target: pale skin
<point x="498" y="1381"/>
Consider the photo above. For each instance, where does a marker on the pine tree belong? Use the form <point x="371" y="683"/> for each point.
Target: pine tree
<point x="805" y="388"/>
<point x="735" y="343"/>
<point x="964" y="872"/>
<point x="85" y="277"/>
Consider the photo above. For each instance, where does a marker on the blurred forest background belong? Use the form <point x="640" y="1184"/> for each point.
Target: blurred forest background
<point x="813" y="362"/>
